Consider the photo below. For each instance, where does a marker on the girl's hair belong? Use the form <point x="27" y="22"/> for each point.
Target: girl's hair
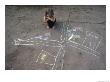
<point x="49" y="12"/>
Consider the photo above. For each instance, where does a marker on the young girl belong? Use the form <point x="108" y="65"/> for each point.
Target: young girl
<point x="49" y="18"/>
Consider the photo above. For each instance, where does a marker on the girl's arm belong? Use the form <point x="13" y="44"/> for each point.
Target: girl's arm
<point x="44" y="19"/>
<point x="52" y="19"/>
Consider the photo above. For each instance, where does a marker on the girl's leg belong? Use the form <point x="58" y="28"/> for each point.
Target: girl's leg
<point x="51" y="23"/>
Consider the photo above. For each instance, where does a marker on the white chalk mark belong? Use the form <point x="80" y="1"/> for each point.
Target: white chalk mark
<point x="49" y="54"/>
<point x="70" y="37"/>
<point x="92" y="38"/>
<point x="61" y="37"/>
<point x="84" y="47"/>
<point x="43" y="40"/>
<point x="84" y="40"/>
<point x="56" y="58"/>
<point x="74" y="37"/>
<point x="83" y="50"/>
<point x="62" y="64"/>
<point x="42" y="58"/>
<point x="63" y="58"/>
<point x="98" y="44"/>
<point x="38" y="58"/>
<point x="48" y="64"/>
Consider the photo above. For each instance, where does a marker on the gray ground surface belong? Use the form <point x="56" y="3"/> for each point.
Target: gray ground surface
<point x="78" y="41"/>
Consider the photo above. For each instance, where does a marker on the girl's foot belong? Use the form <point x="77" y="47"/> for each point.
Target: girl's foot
<point x="48" y="27"/>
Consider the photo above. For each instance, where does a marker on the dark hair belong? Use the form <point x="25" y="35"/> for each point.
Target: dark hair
<point x="49" y="12"/>
<point x="46" y="13"/>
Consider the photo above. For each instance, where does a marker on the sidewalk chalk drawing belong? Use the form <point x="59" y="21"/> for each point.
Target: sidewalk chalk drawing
<point x="76" y="37"/>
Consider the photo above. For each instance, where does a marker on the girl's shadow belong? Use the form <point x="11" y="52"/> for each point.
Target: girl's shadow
<point x="62" y="27"/>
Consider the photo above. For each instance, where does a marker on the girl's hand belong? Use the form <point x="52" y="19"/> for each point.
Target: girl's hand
<point x="48" y="18"/>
